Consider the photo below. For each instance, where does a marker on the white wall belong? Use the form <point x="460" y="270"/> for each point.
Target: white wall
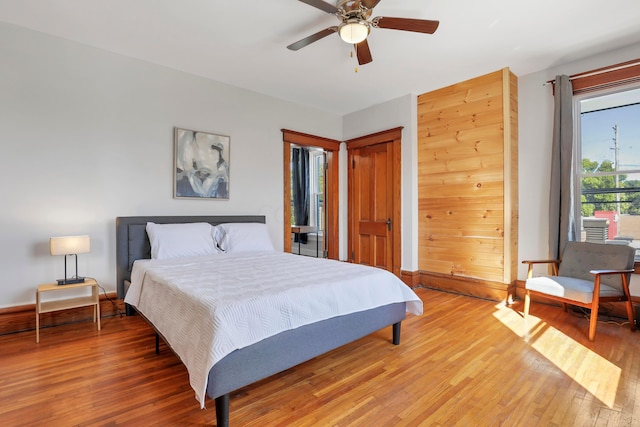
<point x="87" y="136"/>
<point x="398" y="112"/>
<point x="535" y="116"/>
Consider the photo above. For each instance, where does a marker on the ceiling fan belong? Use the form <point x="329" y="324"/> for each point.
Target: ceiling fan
<point x="356" y="23"/>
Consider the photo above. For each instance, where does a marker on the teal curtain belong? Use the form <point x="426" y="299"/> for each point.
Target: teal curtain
<point x="300" y="188"/>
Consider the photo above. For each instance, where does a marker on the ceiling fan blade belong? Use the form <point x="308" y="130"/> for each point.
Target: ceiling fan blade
<point x="407" y="24"/>
<point x="369" y="4"/>
<point x="319" y="4"/>
<point x="363" y="52"/>
<point x="312" y="38"/>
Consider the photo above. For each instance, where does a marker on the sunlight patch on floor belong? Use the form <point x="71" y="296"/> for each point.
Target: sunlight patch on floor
<point x="510" y="318"/>
<point x="594" y="373"/>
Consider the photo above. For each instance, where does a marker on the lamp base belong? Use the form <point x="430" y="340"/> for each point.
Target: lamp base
<point x="70" y="281"/>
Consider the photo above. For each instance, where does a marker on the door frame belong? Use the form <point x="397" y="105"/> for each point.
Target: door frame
<point x="332" y="149"/>
<point x="393" y="136"/>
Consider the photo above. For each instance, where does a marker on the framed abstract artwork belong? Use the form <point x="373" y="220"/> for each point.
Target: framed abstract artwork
<point x="201" y="169"/>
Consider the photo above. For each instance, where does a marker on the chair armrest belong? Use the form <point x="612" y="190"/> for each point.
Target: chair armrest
<point x="624" y="277"/>
<point x="555" y="262"/>
<point x="603" y="272"/>
<point x="542" y="261"/>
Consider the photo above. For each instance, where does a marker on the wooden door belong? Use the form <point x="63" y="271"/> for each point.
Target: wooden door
<point x="372" y="205"/>
<point x="374" y="200"/>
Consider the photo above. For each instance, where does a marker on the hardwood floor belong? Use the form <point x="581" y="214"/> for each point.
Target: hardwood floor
<point x="464" y="362"/>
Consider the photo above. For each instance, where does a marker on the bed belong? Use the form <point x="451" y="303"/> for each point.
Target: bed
<point x="244" y="364"/>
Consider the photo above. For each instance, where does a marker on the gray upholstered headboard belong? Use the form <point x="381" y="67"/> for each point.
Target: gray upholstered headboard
<point x="132" y="242"/>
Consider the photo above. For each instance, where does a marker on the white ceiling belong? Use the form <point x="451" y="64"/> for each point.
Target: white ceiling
<point x="243" y="43"/>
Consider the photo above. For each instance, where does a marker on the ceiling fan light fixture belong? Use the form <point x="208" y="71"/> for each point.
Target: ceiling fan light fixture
<point x="354" y="31"/>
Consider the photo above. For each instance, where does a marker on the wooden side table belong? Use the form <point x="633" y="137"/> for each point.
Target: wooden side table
<point x="63" y="304"/>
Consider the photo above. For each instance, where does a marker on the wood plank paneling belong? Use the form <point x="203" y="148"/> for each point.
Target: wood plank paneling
<point x="467" y="179"/>
<point x="511" y="178"/>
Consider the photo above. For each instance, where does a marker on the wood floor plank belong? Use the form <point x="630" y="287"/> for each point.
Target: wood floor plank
<point x="464" y="362"/>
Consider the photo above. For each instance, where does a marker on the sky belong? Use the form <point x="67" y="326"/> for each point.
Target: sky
<point x="597" y="128"/>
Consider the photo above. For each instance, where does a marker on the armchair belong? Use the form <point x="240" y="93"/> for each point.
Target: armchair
<point x="587" y="274"/>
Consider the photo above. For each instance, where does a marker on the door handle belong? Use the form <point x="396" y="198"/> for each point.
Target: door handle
<point x="389" y="224"/>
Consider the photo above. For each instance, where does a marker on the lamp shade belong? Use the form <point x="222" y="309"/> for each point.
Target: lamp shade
<point x="69" y="245"/>
<point x="354" y="31"/>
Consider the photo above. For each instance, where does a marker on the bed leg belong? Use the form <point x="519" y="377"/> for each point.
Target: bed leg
<point x="129" y="310"/>
<point x="157" y="343"/>
<point x="222" y="410"/>
<point x="396" y="333"/>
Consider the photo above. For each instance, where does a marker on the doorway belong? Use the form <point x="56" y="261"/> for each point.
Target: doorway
<point x="308" y="219"/>
<point x="314" y="233"/>
<point x="374" y="188"/>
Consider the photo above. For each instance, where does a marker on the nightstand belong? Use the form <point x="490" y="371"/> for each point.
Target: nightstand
<point x="64" y="304"/>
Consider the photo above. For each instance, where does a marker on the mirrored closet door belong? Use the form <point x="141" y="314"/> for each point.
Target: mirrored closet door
<point x="310" y="195"/>
<point x="308" y="217"/>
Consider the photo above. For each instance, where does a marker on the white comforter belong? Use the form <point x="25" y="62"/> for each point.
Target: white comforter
<point x="207" y="307"/>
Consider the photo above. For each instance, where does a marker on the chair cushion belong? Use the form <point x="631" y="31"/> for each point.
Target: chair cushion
<point x="570" y="288"/>
<point x="578" y="258"/>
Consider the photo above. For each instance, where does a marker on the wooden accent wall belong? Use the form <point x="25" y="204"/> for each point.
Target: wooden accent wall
<point x="468" y="186"/>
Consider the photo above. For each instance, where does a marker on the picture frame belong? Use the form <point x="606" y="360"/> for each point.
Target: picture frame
<point x="201" y="165"/>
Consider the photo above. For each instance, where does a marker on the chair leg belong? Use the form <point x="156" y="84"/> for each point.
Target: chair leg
<point x="593" y="320"/>
<point x="631" y="316"/>
<point x="527" y="306"/>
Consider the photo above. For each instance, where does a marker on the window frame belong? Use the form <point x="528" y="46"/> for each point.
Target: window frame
<point x="577" y="123"/>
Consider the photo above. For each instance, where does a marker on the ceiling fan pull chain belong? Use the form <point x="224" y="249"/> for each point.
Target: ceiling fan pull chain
<point x="351" y="56"/>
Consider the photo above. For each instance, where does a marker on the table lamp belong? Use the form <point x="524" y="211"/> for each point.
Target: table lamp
<point x="69" y="245"/>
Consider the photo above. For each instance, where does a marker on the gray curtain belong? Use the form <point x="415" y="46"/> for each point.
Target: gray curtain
<point x="562" y="199"/>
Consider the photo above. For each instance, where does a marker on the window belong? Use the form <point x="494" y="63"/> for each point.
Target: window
<point x="608" y="131"/>
<point x="317" y="167"/>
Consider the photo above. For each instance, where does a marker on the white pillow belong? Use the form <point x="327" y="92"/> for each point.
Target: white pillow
<point x="180" y="240"/>
<point x="243" y="237"/>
